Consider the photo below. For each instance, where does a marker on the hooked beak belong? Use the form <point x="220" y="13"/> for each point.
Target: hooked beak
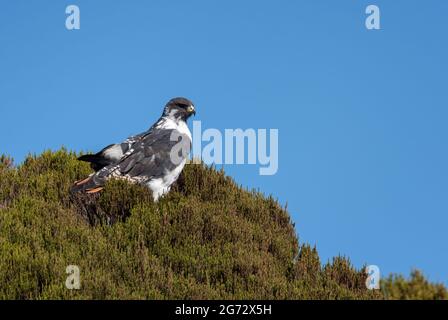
<point x="191" y="110"/>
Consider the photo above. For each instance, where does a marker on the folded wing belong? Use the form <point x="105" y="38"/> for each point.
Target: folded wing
<point x="147" y="158"/>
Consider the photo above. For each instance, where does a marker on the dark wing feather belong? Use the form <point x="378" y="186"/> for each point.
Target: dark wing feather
<point x="112" y="153"/>
<point x="151" y="157"/>
<point x="148" y="158"/>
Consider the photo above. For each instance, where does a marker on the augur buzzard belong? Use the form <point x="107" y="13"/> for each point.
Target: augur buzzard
<point x="154" y="158"/>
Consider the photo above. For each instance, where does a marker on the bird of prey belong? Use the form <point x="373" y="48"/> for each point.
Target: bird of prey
<point x="154" y="158"/>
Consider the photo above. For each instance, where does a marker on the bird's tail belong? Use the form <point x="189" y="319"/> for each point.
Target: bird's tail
<point x="97" y="162"/>
<point x="87" y="185"/>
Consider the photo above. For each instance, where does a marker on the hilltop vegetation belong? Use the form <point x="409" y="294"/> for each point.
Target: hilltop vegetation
<point x="208" y="239"/>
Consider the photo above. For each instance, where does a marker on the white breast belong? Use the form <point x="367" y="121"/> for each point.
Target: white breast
<point x="161" y="186"/>
<point x="180" y="126"/>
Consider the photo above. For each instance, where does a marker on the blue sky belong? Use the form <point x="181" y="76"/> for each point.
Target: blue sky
<point x="362" y="115"/>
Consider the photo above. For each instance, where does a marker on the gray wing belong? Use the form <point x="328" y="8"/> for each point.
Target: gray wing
<point x="115" y="152"/>
<point x="112" y="153"/>
<point x="150" y="157"/>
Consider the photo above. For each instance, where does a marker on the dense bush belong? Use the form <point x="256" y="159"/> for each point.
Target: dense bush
<point x="207" y="239"/>
<point x="416" y="287"/>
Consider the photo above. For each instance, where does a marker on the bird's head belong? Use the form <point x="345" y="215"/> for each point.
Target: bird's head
<point x="179" y="109"/>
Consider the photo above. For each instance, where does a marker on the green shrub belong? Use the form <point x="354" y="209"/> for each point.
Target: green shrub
<point x="415" y="288"/>
<point x="207" y="239"/>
